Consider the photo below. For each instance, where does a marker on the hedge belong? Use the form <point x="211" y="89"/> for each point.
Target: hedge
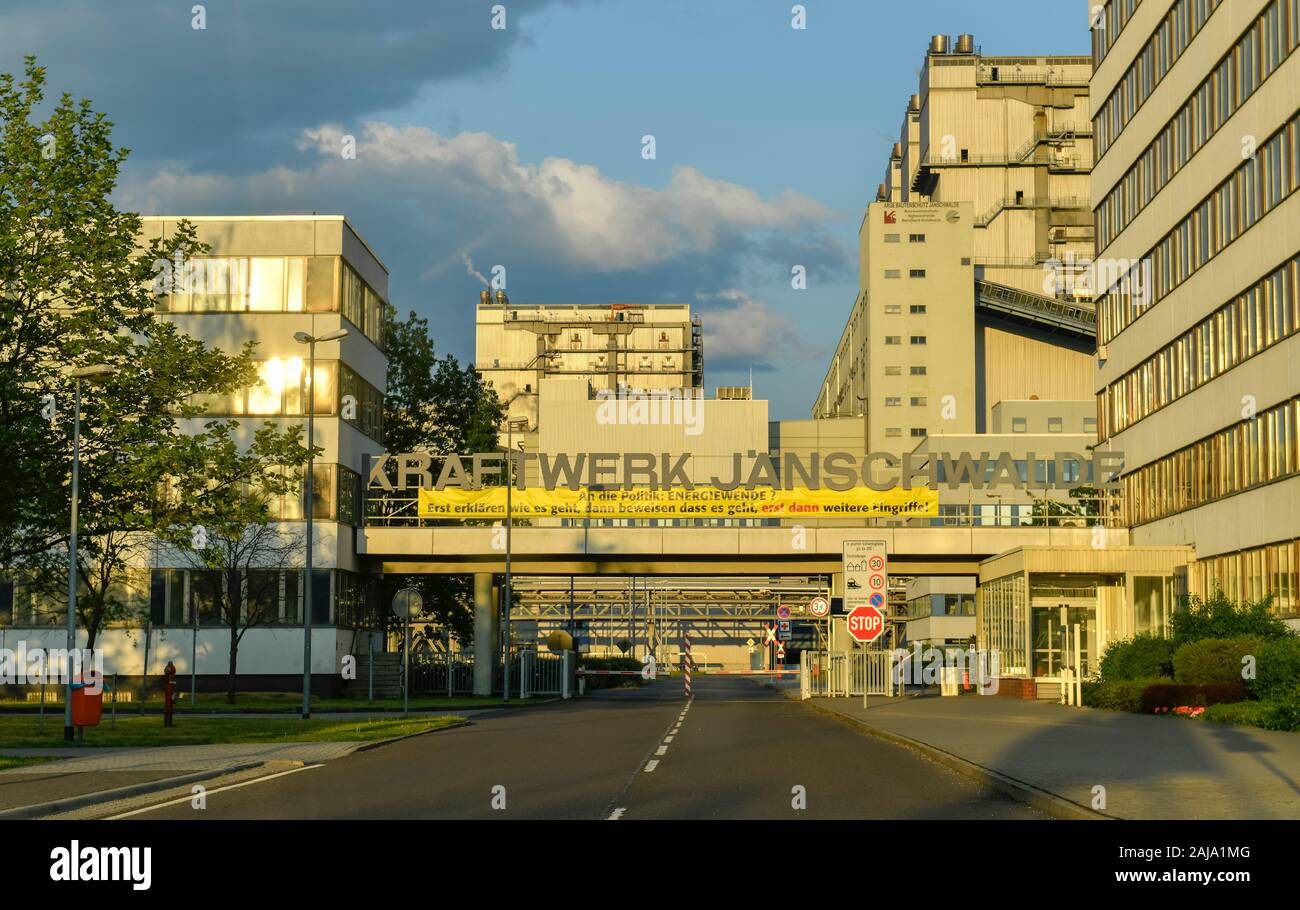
<point x="1118" y="695"/>
<point x="1219" y="617"/>
<point x="1277" y="670"/>
<point x="1140" y="657"/>
<point x="610" y="663"/>
<point x="1214" y="660"/>
<point x="1281" y="715"/>
<point x="1167" y="696"/>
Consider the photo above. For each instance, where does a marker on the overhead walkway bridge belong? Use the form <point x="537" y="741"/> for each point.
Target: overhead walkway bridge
<point x="1058" y="317"/>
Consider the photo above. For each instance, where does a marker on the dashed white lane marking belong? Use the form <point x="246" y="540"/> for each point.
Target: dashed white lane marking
<point x="668" y="738"/>
<point x="186" y="799"/>
<point x="662" y="750"/>
<point x="616" y="814"/>
<point x="651" y="764"/>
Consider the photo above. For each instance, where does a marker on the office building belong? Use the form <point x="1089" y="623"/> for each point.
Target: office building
<point x="1198" y="230"/>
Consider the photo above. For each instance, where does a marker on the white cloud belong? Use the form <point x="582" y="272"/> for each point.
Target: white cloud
<point x="469" y="194"/>
<point x="744" y="331"/>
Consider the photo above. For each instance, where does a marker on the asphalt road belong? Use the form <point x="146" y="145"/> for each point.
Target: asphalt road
<point x="738" y="751"/>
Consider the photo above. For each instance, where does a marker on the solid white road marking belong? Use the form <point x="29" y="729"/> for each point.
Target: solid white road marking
<point x="651" y="764"/>
<point x="186" y="799"/>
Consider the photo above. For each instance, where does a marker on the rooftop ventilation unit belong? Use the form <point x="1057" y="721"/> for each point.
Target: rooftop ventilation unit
<point x="965" y="44"/>
<point x="939" y="44"/>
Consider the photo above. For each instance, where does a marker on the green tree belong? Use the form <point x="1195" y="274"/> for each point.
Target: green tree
<point x="78" y="288"/>
<point x="435" y="405"/>
<point x="231" y="526"/>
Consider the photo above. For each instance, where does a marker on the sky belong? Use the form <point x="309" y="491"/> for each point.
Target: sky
<point x="524" y="146"/>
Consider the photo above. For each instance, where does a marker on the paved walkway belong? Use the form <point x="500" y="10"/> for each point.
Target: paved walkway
<point x="1151" y="767"/>
<point x="176" y="758"/>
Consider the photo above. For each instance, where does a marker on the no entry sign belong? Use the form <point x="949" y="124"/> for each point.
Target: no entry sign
<point x="866" y="623"/>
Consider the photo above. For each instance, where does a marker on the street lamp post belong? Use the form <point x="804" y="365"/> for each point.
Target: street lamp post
<point x="511" y="426"/>
<point x="90" y="374"/>
<point x="311" y="341"/>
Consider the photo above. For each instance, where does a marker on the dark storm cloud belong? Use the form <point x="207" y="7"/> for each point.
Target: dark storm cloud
<point x="240" y="90"/>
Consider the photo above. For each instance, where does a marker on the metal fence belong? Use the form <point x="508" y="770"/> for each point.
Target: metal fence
<point x="430" y="674"/>
<point x="544" y="674"/>
<point x="867" y="671"/>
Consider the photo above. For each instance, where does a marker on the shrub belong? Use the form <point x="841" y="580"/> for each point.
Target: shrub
<point x="1213" y="660"/>
<point x="1167" y="696"/>
<point x="1269" y="715"/>
<point x="1277" y="669"/>
<point x="1140" y="657"/>
<point x="1118" y="695"/>
<point x="1219" y="617"/>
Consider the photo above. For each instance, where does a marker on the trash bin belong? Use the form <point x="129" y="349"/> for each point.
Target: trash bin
<point x="87" y="705"/>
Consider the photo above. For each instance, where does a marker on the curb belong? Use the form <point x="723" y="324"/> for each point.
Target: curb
<point x="70" y="803"/>
<point x="1043" y="800"/>
<point x="366" y="747"/>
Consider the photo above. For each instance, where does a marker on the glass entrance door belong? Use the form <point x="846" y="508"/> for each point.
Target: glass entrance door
<point x="1046" y="628"/>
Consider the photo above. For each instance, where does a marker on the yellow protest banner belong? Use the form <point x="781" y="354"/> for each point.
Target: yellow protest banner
<point x="701" y="502"/>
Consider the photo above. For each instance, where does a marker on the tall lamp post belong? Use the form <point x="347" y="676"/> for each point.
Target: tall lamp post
<point x="311" y="341"/>
<point x="520" y="423"/>
<point x="95" y="373"/>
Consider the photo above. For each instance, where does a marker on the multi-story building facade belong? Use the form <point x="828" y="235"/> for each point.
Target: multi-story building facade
<point x="649" y="347"/>
<point x="1198" y="225"/>
<point x="1005" y="292"/>
<point x="264" y="279"/>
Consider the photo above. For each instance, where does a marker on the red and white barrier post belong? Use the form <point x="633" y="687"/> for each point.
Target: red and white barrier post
<point x="687" y="661"/>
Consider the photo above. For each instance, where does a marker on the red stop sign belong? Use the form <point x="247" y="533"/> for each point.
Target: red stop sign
<point x="866" y="623"/>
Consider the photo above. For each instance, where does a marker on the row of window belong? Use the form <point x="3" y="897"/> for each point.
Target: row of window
<point x="898" y="339"/>
<point x="1054" y="424"/>
<point x="941" y="605"/>
<point x="1253" y="452"/>
<point x="898" y="371"/>
<point x="911" y="238"/>
<point x="1166" y="44"/>
<point x="915" y="433"/>
<point x="188" y="597"/>
<point x="1106" y="27"/>
<point x="911" y="273"/>
<point x="1259" y="318"/>
<point x="894" y="309"/>
<point x="1260" y="50"/>
<point x="275" y="284"/>
<point x="361" y="305"/>
<point x="1253" y="190"/>
<point x="1253" y="574"/>
<point x="284" y="388"/>
<point x="915" y="401"/>
<point x="251" y="284"/>
<point x="336" y="496"/>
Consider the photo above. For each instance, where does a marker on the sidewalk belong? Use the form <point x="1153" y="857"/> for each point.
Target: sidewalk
<point x="1151" y="767"/>
<point x="87" y="772"/>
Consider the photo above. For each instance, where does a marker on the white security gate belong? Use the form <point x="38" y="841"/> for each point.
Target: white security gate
<point x="845" y="675"/>
<point x="541" y="674"/>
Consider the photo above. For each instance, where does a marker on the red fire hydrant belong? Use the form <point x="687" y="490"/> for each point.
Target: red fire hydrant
<point x="169" y="693"/>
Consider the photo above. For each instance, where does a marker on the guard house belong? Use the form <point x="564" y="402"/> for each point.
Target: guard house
<point x="1112" y="592"/>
